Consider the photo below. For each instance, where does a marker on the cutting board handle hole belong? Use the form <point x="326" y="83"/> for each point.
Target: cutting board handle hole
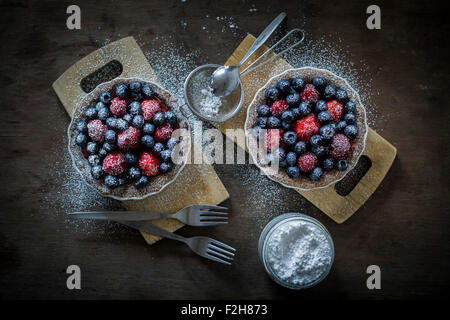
<point x="109" y="71"/>
<point x="345" y="186"/>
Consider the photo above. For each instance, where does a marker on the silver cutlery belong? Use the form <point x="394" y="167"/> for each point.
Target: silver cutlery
<point x="203" y="246"/>
<point x="197" y="215"/>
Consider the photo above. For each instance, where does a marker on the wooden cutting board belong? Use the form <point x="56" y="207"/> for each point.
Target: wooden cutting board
<point x="380" y="152"/>
<point x="195" y="184"/>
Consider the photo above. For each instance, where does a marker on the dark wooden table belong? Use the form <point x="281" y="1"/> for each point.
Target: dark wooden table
<point x="403" y="228"/>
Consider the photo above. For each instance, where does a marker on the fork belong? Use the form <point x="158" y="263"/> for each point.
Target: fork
<point x="198" y="215"/>
<point x="203" y="246"/>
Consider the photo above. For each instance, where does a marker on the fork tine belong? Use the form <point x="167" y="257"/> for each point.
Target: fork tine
<point x="213" y="213"/>
<point x="208" y="207"/>
<point x="223" y="245"/>
<point x="211" y="257"/>
<point x="218" y="254"/>
<point x="213" y="218"/>
<point x="210" y="224"/>
<point x="216" y="248"/>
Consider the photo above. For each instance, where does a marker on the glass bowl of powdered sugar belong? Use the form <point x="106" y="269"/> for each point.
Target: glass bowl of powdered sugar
<point x="201" y="100"/>
<point x="297" y="251"/>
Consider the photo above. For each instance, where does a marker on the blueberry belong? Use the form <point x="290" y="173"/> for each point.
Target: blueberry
<point x="290" y="138"/>
<point x="272" y="94"/>
<point x="158" y="119"/>
<point x="300" y="147"/>
<point x="293" y="99"/>
<point x="319" y="150"/>
<point x="282" y="164"/>
<point x="279" y="154"/>
<point x="122" y="91"/>
<point x="122" y="180"/>
<point x="109" y="147"/>
<point x="341" y="95"/>
<point x="137" y="96"/>
<point x="165" y="167"/>
<point x="328" y="164"/>
<point x="262" y="122"/>
<point x="157" y="148"/>
<point x="103" y="113"/>
<point x="316" y="140"/>
<point x="92" y="148"/>
<point x="134" y="173"/>
<point x="148" y="141"/>
<point x="91" y="113"/>
<point x="148" y="129"/>
<point x="111" y="181"/>
<point x="321" y="106"/>
<point x="293" y="172"/>
<point x="111" y="123"/>
<point x="81" y="139"/>
<point x="135" y="86"/>
<point x="128" y="117"/>
<point x="170" y="117"/>
<point x="130" y="158"/>
<point x="324" y="117"/>
<point x="171" y="143"/>
<point x="110" y="136"/>
<point x="287" y="116"/>
<point x="350" y="118"/>
<point x="296" y="112"/>
<point x="284" y="86"/>
<point x="297" y="84"/>
<point x="273" y="122"/>
<point x="142" y="182"/>
<point x="97" y="172"/>
<point x="166" y="155"/>
<point x="105" y="97"/>
<point x="121" y="125"/>
<point x="94" y="160"/>
<point x="81" y="126"/>
<point x="351" y="131"/>
<point x="329" y="92"/>
<point x="319" y="82"/>
<point x="135" y="108"/>
<point x="304" y="108"/>
<point x="138" y="121"/>
<point x="263" y="110"/>
<point x="291" y="158"/>
<point x="99" y="105"/>
<point x="285" y="125"/>
<point x="350" y="106"/>
<point x="102" y="153"/>
<point x="342" y="165"/>
<point x="316" y="174"/>
<point x="148" y="92"/>
<point x="327" y="132"/>
<point x="341" y="125"/>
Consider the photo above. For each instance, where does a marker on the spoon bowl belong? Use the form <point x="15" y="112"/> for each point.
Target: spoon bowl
<point x="225" y="80"/>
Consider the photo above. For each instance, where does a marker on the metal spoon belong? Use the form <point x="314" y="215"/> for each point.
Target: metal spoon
<point x="226" y="78"/>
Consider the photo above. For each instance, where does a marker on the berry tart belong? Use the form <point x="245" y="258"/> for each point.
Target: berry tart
<point x="129" y="139"/>
<point x="312" y="124"/>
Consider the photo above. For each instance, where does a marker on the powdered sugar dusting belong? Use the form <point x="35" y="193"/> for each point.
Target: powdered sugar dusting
<point x="210" y="103"/>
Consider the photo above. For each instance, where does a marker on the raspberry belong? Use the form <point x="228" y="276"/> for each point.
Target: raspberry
<point x="150" y="108"/>
<point x="149" y="163"/>
<point x="129" y="139"/>
<point x="274" y="139"/>
<point x="96" y="130"/>
<point x="278" y="107"/>
<point x="307" y="162"/>
<point x="114" y="163"/>
<point x="163" y="133"/>
<point x="118" y="107"/>
<point x="310" y="94"/>
<point x="306" y="127"/>
<point x="336" y="109"/>
<point x="339" y="147"/>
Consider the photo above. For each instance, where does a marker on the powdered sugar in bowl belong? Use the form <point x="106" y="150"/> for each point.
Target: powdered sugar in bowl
<point x="297" y="251"/>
